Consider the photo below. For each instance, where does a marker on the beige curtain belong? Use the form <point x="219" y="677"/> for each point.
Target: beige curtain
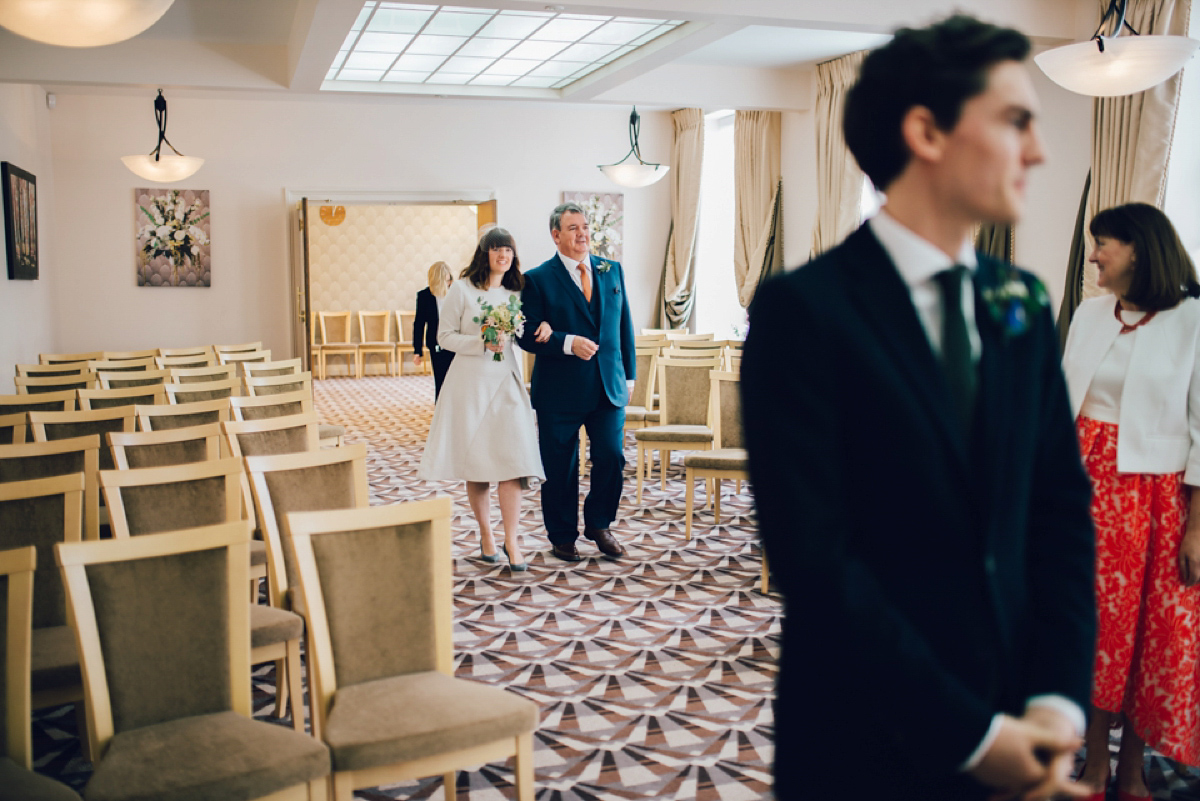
<point x="839" y="180"/>
<point x="757" y="178"/>
<point x="679" y="269"/>
<point x="996" y="240"/>
<point x="1131" y="135"/>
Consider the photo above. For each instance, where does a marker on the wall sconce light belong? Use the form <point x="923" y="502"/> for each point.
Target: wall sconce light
<point x="634" y="174"/>
<point x="162" y="167"/>
<point x="80" y="23"/>
<point x="1107" y="66"/>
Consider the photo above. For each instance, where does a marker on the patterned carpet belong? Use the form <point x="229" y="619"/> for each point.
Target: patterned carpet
<point x="654" y="674"/>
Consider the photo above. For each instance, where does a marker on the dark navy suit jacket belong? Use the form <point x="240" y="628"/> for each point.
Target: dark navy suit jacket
<point x="563" y="383"/>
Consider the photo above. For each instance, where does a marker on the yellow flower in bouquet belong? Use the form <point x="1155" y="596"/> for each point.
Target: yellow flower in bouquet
<point x="494" y="322"/>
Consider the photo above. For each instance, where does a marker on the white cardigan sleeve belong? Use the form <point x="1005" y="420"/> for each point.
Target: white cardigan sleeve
<point x="1191" y="475"/>
<point x="456" y="332"/>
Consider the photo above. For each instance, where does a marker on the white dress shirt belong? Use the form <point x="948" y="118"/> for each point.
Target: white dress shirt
<point x="572" y="268"/>
<point x="918" y="260"/>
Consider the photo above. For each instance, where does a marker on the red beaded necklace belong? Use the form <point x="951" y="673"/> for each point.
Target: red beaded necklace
<point x="1126" y="327"/>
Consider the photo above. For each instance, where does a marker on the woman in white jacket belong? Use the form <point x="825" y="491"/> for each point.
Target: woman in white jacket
<point x="1132" y="363"/>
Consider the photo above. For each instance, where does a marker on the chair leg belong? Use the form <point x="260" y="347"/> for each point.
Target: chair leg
<point x="638" y="469"/>
<point x="281" y="686"/>
<point x="523" y="774"/>
<point x="664" y="459"/>
<point x="295" y="685"/>
<point x="450" y="785"/>
<point x="343" y="786"/>
<point x="690" y="492"/>
<point x="717" y="500"/>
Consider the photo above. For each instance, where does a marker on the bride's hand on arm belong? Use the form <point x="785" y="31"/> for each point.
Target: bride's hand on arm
<point x="543" y="332"/>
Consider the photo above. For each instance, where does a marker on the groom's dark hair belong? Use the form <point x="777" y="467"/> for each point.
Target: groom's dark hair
<point x="939" y="67"/>
<point x="565" y="208"/>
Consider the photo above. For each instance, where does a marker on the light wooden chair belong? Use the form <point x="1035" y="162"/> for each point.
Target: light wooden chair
<point x="69" y="358"/>
<point x="655" y="332"/>
<point x="187" y="362"/>
<point x="61" y="457"/>
<point x="202" y="375"/>
<point x="263" y="407"/>
<point x="680" y="335"/>
<point x="195" y="350"/>
<point x="277" y="367"/>
<point x="140" y="378"/>
<point x="182" y="415"/>
<point x="375" y="337"/>
<point x="291" y="434"/>
<point x="245" y="347"/>
<point x="404" y="344"/>
<point x="278" y="384"/>
<point x="14" y="407"/>
<point x="135" y="450"/>
<point x="209" y="390"/>
<point x="391" y="708"/>
<point x="157" y="499"/>
<point x="338" y="340"/>
<point x="122" y="365"/>
<point x="130" y="355"/>
<point x="52" y="370"/>
<point x="728" y="459"/>
<point x="17" y="778"/>
<point x="168" y="675"/>
<point x="693" y="350"/>
<point x="33" y="385"/>
<point x="239" y="360"/>
<point x="12" y="428"/>
<point x="683" y="420"/>
<point x="128" y="396"/>
<point x="640" y="413"/>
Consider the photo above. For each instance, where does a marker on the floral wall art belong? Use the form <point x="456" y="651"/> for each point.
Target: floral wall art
<point x="173" y="237"/>
<point x="606" y="218"/>
<point x="20" y="221"/>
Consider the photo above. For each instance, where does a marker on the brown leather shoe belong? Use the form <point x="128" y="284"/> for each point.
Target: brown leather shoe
<point x="567" y="553"/>
<point x="605" y="541"/>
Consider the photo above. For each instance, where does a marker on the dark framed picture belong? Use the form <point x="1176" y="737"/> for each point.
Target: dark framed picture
<point x="20" y="222"/>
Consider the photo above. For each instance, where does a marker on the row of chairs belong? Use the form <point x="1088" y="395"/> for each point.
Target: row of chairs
<point x="374" y="339"/>
<point x="213" y="352"/>
<point x="32" y="379"/>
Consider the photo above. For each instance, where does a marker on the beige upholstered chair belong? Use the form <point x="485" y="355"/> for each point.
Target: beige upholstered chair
<point x="640" y="413"/>
<point x="69" y="358"/>
<point x="195" y="350"/>
<point x="140" y="378"/>
<point x="245" y="347"/>
<point x="203" y="375"/>
<point x="239" y="360"/>
<point x="728" y="458"/>
<point x="129" y="355"/>
<point x="681" y="335"/>
<point x="377" y="586"/>
<point x="375" y="337"/>
<point x="277" y="367"/>
<point x="92" y="399"/>
<point x="17" y="779"/>
<point x="338" y="340"/>
<point x="139" y="449"/>
<point x="51" y="426"/>
<point x="169" y="681"/>
<point x="190" y="362"/>
<point x="12" y="428"/>
<point x="683" y="425"/>
<point x="61" y="457"/>
<point x="278" y="384"/>
<point x="404" y="344"/>
<point x="182" y="415"/>
<point x="34" y="385"/>
<point x="291" y="434"/>
<point x="209" y="390"/>
<point x="655" y="332"/>
<point x="266" y="406"/>
<point x="14" y="407"/>
<point x="51" y="370"/>
<point x="122" y="365"/>
<point x="157" y="499"/>
<point x="693" y="350"/>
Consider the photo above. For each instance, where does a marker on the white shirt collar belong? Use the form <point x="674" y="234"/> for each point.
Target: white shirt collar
<point x="916" y="258"/>
<point x="572" y="264"/>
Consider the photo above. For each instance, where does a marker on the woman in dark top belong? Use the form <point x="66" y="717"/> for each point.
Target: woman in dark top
<point x="425" y="326"/>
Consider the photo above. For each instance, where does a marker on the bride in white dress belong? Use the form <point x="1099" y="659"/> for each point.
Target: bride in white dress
<point x="483" y="427"/>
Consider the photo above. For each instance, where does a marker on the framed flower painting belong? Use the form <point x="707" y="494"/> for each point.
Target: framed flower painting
<point x="173" y="242"/>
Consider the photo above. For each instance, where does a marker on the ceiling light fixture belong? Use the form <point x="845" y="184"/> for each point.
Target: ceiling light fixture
<point x="634" y="174"/>
<point x="1107" y="66"/>
<point x="80" y="23"/>
<point x="158" y="166"/>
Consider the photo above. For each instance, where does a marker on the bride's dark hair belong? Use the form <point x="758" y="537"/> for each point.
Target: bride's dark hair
<point x="479" y="271"/>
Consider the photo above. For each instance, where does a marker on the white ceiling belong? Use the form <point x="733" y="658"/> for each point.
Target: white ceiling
<point x="285" y="47"/>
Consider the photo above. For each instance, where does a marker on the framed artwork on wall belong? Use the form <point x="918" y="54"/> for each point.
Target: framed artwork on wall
<point x="20" y="222"/>
<point x="606" y="217"/>
<point x="173" y="242"/>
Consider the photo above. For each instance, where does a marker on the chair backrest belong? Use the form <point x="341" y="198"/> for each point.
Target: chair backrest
<point x="278" y="384"/>
<point x="140" y="378"/>
<point x="683" y="388"/>
<point x="69" y="358"/>
<point x="708" y="351"/>
<point x="35" y="385"/>
<point x="61" y="457"/>
<point x="239" y="360"/>
<point x="138" y="449"/>
<point x="129" y="355"/>
<point x="128" y="396"/>
<point x="50" y="426"/>
<point x="277" y="367"/>
<point x="698" y="344"/>
<point x="51" y="370"/>
<point x="182" y="415"/>
<point x="12" y="428"/>
<point x="209" y="390"/>
<point x="655" y="332"/>
<point x="185" y="362"/>
<point x="733" y="361"/>
<point x="14" y="407"/>
<point x="157" y="499"/>
<point x="725" y="409"/>
<point x="195" y="350"/>
<point x="265" y="406"/>
<point x="43" y="512"/>
<point x="122" y="365"/>
<point x="650" y="340"/>
<point x="680" y="335"/>
<point x="245" y="347"/>
<point x="335" y="328"/>
<point x="643" y="385"/>
<point x="386" y="570"/>
<point x="334" y="478"/>
<point x="270" y="437"/>
<point x="203" y="375"/>
<point x="16" y="644"/>
<point x="404" y="326"/>
<point x="375" y="327"/>
<point x="184" y="654"/>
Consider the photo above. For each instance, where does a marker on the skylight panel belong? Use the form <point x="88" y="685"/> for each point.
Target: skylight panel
<point x="411" y="62"/>
<point x="360" y="75"/>
<point x="369" y="61"/>
<point x="399" y="21"/>
<point x="618" y="33"/>
<point x="566" y="30"/>
<point x="425" y="44"/>
<point x="539" y="51"/>
<point x="403" y="76"/>
<point x="586" y="52"/>
<point x="467" y="64"/>
<point x="492" y="80"/>
<point x="393" y="43"/>
<point x="491" y="48"/>
<point x="450" y="78"/>
<point x="448" y="22"/>
<point x="363" y="16"/>
<point x="511" y="26"/>
<point x="512" y="66"/>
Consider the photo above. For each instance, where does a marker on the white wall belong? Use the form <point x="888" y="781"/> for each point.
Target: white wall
<point x="526" y="154"/>
<point x="26" y="318"/>
<point x="1182" y="203"/>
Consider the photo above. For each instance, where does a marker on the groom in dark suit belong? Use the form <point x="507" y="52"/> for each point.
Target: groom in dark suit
<point x="580" y="379"/>
<point x="914" y="462"/>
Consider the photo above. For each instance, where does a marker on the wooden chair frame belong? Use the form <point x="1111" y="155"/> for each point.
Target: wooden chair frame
<point x="39" y="420"/>
<point x="245" y="347"/>
<point x="384" y="347"/>
<point x="157" y="391"/>
<point x="237" y="405"/>
<point x="68" y="358"/>
<point x="664" y="447"/>
<point x="213" y="372"/>
<point x="18" y="565"/>
<point x="122" y="365"/>
<point x="189" y="362"/>
<point x="405" y="319"/>
<point x="253" y="385"/>
<point x="234" y="385"/>
<point x="129" y="355"/>
<point x="715" y="475"/>
<point x="209" y="432"/>
<point x="59" y="383"/>
<point x="21" y="433"/>
<point x="52" y="370"/>
<point x="233" y="429"/>
<point x="121" y="379"/>
<point x="90" y="446"/>
<point x="15" y="421"/>
<point x="338" y="347"/>
<point x="680" y="335"/>
<point x="146" y="414"/>
<point x="293" y="366"/>
<point x="195" y="350"/>
<point x="239" y="360"/>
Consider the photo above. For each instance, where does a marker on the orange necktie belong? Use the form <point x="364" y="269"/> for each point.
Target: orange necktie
<point x="585" y="281"/>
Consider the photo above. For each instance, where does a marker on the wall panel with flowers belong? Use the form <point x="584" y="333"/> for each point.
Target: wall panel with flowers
<point x="606" y="218"/>
<point x="173" y="237"/>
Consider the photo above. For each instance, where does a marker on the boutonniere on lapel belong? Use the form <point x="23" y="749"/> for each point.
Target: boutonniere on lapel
<point x="1014" y="300"/>
<point x="602" y="266"/>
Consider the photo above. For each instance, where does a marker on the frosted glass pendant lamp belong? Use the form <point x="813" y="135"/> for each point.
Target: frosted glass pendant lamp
<point x="1107" y="66"/>
<point x="637" y="173"/>
<point x="80" y="23"/>
<point x="163" y="168"/>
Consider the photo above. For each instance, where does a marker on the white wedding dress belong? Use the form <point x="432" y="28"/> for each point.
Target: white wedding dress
<point x="483" y="426"/>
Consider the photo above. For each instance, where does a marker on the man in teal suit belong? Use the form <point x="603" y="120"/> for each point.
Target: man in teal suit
<point x="580" y="379"/>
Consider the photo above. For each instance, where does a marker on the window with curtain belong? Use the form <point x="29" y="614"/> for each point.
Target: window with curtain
<point x="717" y="307"/>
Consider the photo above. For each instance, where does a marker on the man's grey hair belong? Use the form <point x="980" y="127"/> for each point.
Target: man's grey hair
<point x="566" y="208"/>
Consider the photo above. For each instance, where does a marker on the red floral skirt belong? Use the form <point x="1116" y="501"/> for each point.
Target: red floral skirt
<point x="1148" y="639"/>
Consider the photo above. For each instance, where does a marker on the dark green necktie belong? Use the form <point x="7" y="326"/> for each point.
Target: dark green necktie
<point x="956" y="346"/>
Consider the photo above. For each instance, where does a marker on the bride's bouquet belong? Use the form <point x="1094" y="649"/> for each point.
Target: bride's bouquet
<point x="495" y="322"/>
